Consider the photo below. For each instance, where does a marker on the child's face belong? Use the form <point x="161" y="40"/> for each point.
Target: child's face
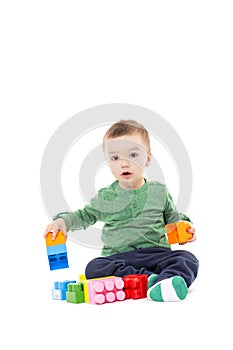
<point x="127" y="156"/>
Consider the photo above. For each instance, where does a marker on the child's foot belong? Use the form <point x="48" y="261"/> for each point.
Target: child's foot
<point x="151" y="280"/>
<point x="170" y="289"/>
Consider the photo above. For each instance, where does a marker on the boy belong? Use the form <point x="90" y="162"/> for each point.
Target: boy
<point x="135" y="212"/>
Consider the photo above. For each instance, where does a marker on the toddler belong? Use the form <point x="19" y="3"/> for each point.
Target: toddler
<point x="135" y="212"/>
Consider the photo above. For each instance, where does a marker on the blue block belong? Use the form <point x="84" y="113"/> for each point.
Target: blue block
<point x="57" y="256"/>
<point x="56" y="249"/>
<point x="58" y="261"/>
<point x="63" y="285"/>
<point x="60" y="289"/>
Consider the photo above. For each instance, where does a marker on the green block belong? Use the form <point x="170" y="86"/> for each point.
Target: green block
<point x="75" y="297"/>
<point x="75" y="287"/>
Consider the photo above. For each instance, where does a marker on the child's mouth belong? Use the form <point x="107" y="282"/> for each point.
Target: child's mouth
<point x="126" y="174"/>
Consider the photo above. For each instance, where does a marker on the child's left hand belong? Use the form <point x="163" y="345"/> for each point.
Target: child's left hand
<point x="192" y="231"/>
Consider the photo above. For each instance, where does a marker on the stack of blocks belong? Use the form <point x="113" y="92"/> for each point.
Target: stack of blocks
<point x="177" y="232"/>
<point x="93" y="291"/>
<point x="101" y="290"/>
<point x="56" y="250"/>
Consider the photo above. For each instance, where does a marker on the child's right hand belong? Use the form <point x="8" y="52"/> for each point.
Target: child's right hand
<point x="55" y="226"/>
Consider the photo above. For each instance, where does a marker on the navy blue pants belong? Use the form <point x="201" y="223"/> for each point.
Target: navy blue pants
<point x="164" y="262"/>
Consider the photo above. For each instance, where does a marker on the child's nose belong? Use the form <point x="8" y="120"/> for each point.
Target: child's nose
<point x="125" y="162"/>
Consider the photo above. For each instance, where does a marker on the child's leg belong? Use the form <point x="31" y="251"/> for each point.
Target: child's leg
<point x="177" y="263"/>
<point x="178" y="269"/>
<point x="120" y="265"/>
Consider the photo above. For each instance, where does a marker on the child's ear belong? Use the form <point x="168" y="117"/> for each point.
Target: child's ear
<point x="149" y="156"/>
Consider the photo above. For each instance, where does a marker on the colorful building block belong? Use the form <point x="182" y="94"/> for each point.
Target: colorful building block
<point x="60" y="289"/>
<point x="135" y="286"/>
<point x="177" y="232"/>
<point x="104" y="290"/>
<point x="82" y="277"/>
<point x="75" y="293"/>
<point x="60" y="239"/>
<point x="56" y="250"/>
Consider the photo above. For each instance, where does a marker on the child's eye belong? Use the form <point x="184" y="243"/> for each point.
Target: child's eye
<point x="133" y="155"/>
<point x="114" y="158"/>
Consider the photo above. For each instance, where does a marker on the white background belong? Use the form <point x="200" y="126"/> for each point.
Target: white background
<point x="61" y="57"/>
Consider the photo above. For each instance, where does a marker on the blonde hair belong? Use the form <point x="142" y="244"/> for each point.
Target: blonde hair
<point x="128" y="127"/>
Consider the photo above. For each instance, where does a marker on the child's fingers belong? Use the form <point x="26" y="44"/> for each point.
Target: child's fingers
<point x="62" y="226"/>
<point x="191" y="229"/>
<point x="46" y="232"/>
<point x="51" y="228"/>
<point x="54" y="234"/>
<point x="64" y="232"/>
<point x="193" y="238"/>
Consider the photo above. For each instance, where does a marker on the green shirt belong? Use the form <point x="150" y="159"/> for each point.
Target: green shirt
<point x="132" y="218"/>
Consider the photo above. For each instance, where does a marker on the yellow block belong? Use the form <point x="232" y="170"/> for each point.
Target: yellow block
<point x="82" y="278"/>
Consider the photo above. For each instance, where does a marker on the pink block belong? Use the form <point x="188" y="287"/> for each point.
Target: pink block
<point x="105" y="290"/>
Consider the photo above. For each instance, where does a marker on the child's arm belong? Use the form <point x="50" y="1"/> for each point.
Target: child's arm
<point x="76" y="220"/>
<point x="55" y="226"/>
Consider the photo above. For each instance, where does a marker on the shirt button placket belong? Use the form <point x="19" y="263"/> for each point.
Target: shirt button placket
<point x="134" y="207"/>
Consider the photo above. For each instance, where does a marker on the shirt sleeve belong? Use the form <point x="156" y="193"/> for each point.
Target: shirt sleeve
<point x="171" y="214"/>
<point x="79" y="219"/>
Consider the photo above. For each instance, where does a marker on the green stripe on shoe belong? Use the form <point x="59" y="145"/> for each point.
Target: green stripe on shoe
<point x="171" y="289"/>
<point x="180" y="287"/>
<point x="151" y="280"/>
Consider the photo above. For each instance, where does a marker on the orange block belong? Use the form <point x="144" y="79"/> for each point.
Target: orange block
<point x="60" y="239"/>
<point x="177" y="232"/>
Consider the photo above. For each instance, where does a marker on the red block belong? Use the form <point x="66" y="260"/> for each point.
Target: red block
<point x="135" y="286"/>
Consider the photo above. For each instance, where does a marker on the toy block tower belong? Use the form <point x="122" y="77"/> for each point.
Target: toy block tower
<point x="177" y="232"/>
<point x="135" y="286"/>
<point x="56" y="250"/>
